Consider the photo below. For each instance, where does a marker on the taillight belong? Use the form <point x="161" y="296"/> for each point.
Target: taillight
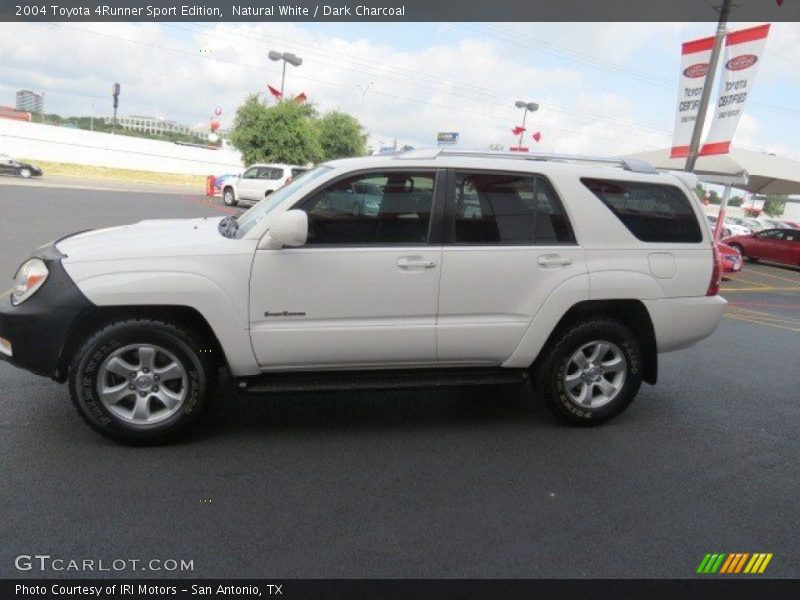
<point x="716" y="272"/>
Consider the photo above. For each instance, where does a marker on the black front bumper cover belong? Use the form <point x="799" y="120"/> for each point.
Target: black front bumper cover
<point x="39" y="328"/>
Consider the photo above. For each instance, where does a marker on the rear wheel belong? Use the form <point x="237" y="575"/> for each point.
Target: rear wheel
<point x="591" y="373"/>
<point x="140" y="381"/>
<point x="229" y="198"/>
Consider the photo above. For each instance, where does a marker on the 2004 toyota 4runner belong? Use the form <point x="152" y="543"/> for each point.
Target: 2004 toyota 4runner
<point x="468" y="268"/>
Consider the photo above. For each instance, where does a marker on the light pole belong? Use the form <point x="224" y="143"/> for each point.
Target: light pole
<point x="528" y="106"/>
<point x="286" y="57"/>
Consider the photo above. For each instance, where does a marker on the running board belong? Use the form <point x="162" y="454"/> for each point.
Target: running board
<point x="379" y="379"/>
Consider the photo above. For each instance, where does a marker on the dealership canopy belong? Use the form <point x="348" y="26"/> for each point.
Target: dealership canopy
<point x="754" y="172"/>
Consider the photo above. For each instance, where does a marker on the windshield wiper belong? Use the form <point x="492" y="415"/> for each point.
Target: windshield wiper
<point x="228" y="227"/>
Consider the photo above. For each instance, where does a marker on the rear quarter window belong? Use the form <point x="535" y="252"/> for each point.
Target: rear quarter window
<point x="653" y="212"/>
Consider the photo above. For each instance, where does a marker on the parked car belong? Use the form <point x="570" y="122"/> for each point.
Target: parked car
<point x="740" y="222"/>
<point x="753" y="224"/>
<point x="731" y="258"/>
<point x="258" y="181"/>
<point x="475" y="268"/>
<point x="10" y="166"/>
<point x="775" y="245"/>
<point x="778" y="224"/>
<point x="735" y="228"/>
<point x="712" y="226"/>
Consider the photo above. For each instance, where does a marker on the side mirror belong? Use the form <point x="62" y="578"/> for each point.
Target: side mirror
<point x="289" y="229"/>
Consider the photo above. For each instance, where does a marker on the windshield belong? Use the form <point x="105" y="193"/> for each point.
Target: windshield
<point x="246" y="221"/>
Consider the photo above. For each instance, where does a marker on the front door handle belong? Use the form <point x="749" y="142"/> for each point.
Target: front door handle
<point x="554" y="260"/>
<point x="415" y="263"/>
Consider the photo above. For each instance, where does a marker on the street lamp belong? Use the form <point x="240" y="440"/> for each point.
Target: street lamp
<point x="286" y="57"/>
<point x="528" y="106"/>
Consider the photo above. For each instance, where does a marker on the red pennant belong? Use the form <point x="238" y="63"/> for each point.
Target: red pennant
<point x="274" y="92"/>
<point x="537" y="136"/>
<point x="780" y="2"/>
<point x="301" y="97"/>
<point x="517" y="130"/>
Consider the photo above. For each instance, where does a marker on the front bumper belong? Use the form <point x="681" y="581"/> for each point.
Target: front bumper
<point x="38" y="329"/>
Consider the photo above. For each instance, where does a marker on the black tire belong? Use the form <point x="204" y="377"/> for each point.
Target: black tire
<point x="550" y="371"/>
<point x="189" y="350"/>
<point x="228" y="197"/>
<point x="25" y="173"/>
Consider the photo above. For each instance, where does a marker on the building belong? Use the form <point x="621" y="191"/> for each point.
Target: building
<point x="150" y="125"/>
<point x="28" y="101"/>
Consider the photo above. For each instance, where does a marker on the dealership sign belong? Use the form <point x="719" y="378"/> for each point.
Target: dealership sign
<point x="447" y="137"/>
<point x="743" y="50"/>
<point x="695" y="57"/>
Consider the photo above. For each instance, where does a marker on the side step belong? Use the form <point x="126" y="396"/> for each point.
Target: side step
<point x="379" y="379"/>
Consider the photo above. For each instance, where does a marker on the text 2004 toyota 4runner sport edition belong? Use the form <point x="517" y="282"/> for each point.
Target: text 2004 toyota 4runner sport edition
<point x="469" y="268"/>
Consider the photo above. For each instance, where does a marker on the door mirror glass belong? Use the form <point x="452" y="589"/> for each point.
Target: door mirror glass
<point x="289" y="229"/>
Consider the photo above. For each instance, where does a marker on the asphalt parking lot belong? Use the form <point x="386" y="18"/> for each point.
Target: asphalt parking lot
<point x="456" y="483"/>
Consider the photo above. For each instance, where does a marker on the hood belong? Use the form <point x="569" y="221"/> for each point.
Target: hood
<point x="149" y="239"/>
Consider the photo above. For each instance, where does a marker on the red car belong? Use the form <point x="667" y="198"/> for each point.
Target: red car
<point x="775" y="245"/>
<point x="730" y="258"/>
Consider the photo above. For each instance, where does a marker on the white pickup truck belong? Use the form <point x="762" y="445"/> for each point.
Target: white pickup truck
<point x="467" y="268"/>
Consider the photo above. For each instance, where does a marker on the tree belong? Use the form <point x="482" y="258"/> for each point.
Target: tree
<point x="283" y="133"/>
<point x="700" y="192"/>
<point x="713" y="197"/>
<point x="774" y="205"/>
<point x="736" y="201"/>
<point x="341" y="136"/>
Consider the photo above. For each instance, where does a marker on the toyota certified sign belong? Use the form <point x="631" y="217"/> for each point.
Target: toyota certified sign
<point x="742" y="51"/>
<point x="743" y="61"/>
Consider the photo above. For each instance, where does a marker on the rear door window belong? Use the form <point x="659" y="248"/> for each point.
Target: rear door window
<point x="653" y="212"/>
<point x="498" y="208"/>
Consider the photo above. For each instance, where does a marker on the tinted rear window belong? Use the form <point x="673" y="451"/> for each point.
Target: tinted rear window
<point x="652" y="212"/>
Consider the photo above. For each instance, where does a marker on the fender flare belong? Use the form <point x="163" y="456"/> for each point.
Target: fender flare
<point x="169" y="288"/>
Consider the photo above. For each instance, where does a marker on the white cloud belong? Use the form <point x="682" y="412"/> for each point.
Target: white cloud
<point x="467" y="86"/>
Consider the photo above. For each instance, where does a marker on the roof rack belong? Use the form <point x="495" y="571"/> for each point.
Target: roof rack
<point x="629" y="164"/>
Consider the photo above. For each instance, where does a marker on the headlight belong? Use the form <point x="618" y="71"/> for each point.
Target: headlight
<point x="29" y="278"/>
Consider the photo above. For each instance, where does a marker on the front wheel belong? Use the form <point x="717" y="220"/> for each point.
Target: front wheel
<point x="229" y="198"/>
<point x="591" y="373"/>
<point x="141" y="381"/>
<point x="25" y="173"/>
<point x="739" y="249"/>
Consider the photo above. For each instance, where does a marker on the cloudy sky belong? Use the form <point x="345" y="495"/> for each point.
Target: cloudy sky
<point x="603" y="87"/>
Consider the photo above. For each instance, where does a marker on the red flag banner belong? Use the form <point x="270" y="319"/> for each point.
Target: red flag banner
<point x="301" y="97"/>
<point x="274" y="92"/>
<point x="517" y="130"/>
<point x="537" y="136"/>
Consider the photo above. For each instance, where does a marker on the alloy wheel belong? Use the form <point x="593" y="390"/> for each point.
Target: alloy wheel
<point x="142" y="384"/>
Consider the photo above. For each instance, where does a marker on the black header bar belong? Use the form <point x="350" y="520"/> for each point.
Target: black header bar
<point x="395" y="10"/>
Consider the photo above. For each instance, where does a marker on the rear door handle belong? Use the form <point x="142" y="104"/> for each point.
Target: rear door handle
<point x="554" y="260"/>
<point x="415" y="263"/>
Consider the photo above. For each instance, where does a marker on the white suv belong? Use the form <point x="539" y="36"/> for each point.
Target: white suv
<point x="259" y="181"/>
<point x="468" y="268"/>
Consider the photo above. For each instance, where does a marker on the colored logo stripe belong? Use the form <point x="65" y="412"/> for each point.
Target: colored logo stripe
<point x="735" y="563"/>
